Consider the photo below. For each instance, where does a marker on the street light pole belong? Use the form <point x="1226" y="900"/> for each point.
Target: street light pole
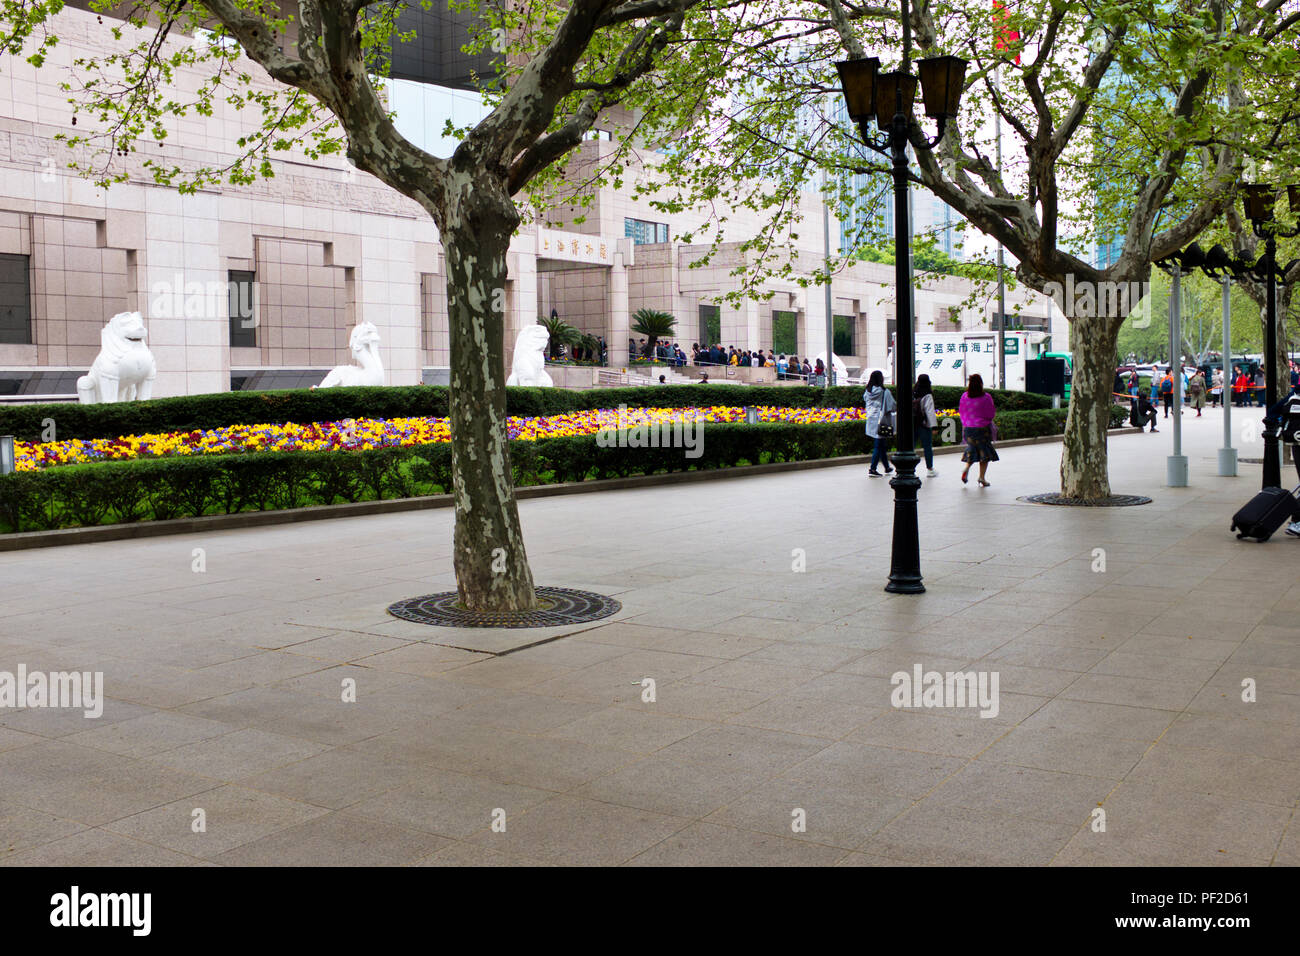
<point x="1272" y="453"/>
<point x="1227" y="454"/>
<point x="1176" y="464"/>
<point x="830" y="320"/>
<point x="1259" y="209"/>
<point x="905" y="563"/>
<point x="1001" y="325"/>
<point x="887" y="97"/>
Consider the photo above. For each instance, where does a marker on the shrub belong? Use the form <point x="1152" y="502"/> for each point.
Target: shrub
<point x="162" y="488"/>
<point x="190" y="412"/>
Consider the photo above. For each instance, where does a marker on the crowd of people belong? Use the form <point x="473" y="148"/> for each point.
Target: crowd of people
<point x="670" y="353"/>
<point x="976" y="410"/>
<point x="1246" y="387"/>
<point x="787" y="367"/>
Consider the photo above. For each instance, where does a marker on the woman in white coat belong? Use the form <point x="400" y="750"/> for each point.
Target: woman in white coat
<point x="880" y="417"/>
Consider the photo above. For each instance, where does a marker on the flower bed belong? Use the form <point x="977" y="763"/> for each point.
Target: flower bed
<point x="227" y="478"/>
<point x="366" y="433"/>
<point x="188" y="413"/>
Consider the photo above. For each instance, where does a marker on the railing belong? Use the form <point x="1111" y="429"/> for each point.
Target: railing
<point x="36" y="399"/>
<point x="610" y="377"/>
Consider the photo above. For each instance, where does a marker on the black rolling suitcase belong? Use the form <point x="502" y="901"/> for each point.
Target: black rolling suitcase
<point x="1265" y="513"/>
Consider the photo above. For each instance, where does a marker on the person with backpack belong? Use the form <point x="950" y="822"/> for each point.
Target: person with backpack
<point x="1143" y="413"/>
<point x="880" y="408"/>
<point x="1196" y="391"/>
<point x="1167" y="392"/>
<point x="925" y="421"/>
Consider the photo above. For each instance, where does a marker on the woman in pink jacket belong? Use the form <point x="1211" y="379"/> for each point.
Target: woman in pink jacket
<point x="976" y="411"/>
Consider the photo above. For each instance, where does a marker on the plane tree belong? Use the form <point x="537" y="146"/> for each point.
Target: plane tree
<point x="306" y="77"/>
<point x="1126" y="121"/>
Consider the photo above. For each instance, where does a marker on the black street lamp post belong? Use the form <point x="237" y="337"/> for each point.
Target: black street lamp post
<point x="888" y="98"/>
<point x="1259" y="209"/>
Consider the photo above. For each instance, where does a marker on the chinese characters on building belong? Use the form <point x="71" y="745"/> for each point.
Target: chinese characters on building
<point x="553" y="244"/>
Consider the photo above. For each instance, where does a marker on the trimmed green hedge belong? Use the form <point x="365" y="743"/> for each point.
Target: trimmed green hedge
<point x="163" y="488"/>
<point x="190" y="412"/>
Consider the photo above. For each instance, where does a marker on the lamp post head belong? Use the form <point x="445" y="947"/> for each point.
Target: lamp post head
<point x="1259" y="199"/>
<point x="1217" y="261"/>
<point x="942" y="79"/>
<point x="1193" y="257"/>
<point x="858" y="80"/>
<point x="895" y="93"/>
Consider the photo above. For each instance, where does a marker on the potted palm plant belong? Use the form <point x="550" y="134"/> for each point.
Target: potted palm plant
<point x="653" y="325"/>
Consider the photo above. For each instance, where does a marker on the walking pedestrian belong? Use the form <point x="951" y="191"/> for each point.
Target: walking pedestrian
<point x="1167" y="392"/>
<point x="880" y="407"/>
<point x="1196" y="391"/>
<point x="977" y="429"/>
<point x="924" y="421"/>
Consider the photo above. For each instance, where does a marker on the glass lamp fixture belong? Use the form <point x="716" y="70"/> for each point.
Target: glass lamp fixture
<point x="858" y="79"/>
<point x="942" y="78"/>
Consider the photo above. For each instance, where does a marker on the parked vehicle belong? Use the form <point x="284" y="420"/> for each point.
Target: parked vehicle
<point x="951" y="358"/>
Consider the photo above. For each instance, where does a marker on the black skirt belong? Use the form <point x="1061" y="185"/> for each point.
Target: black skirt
<point x="979" y="444"/>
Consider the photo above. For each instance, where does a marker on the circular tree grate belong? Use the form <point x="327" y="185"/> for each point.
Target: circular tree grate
<point x="1114" y="501"/>
<point x="556" y="606"/>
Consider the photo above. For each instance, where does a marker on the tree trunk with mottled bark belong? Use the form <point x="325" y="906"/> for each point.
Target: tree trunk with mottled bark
<point x="492" y="571"/>
<point x="1084" y="456"/>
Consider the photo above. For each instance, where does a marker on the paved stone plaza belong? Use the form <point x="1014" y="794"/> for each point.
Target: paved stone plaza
<point x="1119" y="689"/>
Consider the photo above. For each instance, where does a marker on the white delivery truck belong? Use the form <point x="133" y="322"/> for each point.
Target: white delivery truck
<point x="951" y="358"/>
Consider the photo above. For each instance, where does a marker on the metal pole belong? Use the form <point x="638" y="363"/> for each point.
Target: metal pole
<point x="1176" y="464"/>
<point x="1227" y="454"/>
<point x="830" y="320"/>
<point x="905" y="559"/>
<point x="1272" y="454"/>
<point x="1001" y="327"/>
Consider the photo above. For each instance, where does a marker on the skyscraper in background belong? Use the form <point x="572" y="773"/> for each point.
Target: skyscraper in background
<point x="868" y="218"/>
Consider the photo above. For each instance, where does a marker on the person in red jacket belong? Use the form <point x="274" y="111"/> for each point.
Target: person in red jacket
<point x="1240" y="386"/>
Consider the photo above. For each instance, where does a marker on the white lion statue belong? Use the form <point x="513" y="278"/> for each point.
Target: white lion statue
<point x="529" y="364"/>
<point x="841" y="370"/>
<point x="369" y="370"/>
<point x="124" y="370"/>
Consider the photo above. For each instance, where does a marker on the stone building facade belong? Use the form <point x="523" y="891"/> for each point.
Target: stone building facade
<point x="259" y="285"/>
